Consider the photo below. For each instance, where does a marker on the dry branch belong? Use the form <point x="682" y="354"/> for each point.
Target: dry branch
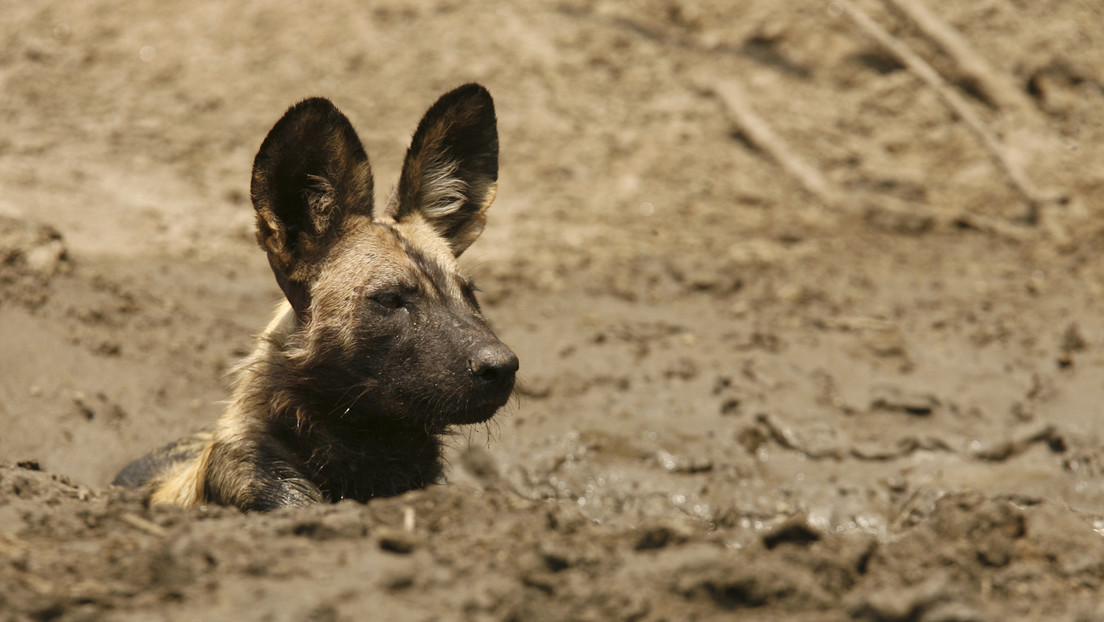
<point x="760" y="134"/>
<point x="988" y="82"/>
<point x="143" y="524"/>
<point x="884" y="211"/>
<point x="1030" y="195"/>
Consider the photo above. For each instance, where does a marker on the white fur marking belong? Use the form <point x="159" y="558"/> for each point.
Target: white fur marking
<point x="443" y="192"/>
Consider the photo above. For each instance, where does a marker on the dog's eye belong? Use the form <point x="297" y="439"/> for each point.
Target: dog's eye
<point x="469" y="290"/>
<point x="390" y="300"/>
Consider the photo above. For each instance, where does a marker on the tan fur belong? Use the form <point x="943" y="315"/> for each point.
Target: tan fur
<point x="421" y="233"/>
<point x="183" y="485"/>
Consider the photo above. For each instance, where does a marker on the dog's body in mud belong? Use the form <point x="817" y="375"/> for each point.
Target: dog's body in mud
<point x="380" y="345"/>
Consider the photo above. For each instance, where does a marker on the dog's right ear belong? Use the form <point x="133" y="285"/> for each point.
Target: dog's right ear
<point x="309" y="175"/>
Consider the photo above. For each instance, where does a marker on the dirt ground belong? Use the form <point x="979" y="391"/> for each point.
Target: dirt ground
<point x="878" y="401"/>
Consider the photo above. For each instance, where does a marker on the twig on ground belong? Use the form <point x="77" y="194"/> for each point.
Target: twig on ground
<point x="914" y="500"/>
<point x="996" y="91"/>
<point x="1030" y="195"/>
<point x="881" y="210"/>
<point x="143" y="524"/>
<point x="760" y="135"/>
<point x="785" y="437"/>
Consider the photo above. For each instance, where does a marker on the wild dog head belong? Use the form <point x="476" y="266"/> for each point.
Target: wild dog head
<point x="389" y="330"/>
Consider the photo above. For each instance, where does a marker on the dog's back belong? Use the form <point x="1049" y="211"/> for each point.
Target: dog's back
<point x="159" y="464"/>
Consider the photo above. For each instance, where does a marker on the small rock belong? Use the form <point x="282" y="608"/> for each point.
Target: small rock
<point x="894" y="399"/>
<point x="46" y="259"/>
<point x="1072" y="341"/>
<point x="396" y="541"/>
<point x="662" y="535"/>
<point x="30" y="465"/>
<point x="83" y="407"/>
<point x="682" y="464"/>
<point x="795" y="530"/>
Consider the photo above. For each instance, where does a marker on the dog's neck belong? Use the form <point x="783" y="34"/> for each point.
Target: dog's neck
<point x="365" y="462"/>
<point x="346" y="452"/>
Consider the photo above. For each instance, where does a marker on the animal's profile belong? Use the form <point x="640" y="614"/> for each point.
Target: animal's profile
<point x="380" y="345"/>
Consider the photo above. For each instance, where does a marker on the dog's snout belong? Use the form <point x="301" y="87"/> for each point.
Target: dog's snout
<point x="494" y="364"/>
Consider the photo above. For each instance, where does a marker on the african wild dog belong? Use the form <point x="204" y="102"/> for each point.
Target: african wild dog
<point x="380" y="345"/>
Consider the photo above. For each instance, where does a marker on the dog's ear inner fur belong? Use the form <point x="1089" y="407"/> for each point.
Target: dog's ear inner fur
<point x="450" y="173"/>
<point x="311" y="172"/>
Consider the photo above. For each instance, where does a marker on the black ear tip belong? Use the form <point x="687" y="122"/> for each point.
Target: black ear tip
<point x="312" y="104"/>
<point x="308" y="113"/>
<point x="303" y="124"/>
<point x="471" y="94"/>
<point x="473" y="89"/>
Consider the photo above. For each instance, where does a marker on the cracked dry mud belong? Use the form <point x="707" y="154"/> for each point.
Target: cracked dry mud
<point x="736" y="398"/>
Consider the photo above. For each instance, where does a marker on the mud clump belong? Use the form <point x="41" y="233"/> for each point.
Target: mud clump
<point x="31" y="255"/>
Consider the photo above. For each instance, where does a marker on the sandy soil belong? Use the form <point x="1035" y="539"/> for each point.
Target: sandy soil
<point x="737" y="396"/>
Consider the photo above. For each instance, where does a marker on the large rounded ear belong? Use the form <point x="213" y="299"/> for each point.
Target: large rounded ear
<point x="310" y="174"/>
<point x="451" y="169"/>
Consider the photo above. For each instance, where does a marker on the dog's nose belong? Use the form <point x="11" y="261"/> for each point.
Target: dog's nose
<point x="494" y="364"/>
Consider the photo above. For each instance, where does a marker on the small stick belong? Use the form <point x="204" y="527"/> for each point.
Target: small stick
<point x="914" y="500"/>
<point x="1016" y="179"/>
<point x="143" y="524"/>
<point x="760" y="134"/>
<point x="1000" y="93"/>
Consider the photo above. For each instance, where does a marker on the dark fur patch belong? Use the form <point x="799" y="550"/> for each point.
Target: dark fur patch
<point x="149" y="466"/>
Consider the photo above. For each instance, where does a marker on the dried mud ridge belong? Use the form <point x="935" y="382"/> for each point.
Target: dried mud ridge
<point x="71" y="553"/>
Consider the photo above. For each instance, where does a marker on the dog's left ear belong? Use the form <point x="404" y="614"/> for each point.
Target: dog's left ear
<point x="310" y="174"/>
<point x="450" y="173"/>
